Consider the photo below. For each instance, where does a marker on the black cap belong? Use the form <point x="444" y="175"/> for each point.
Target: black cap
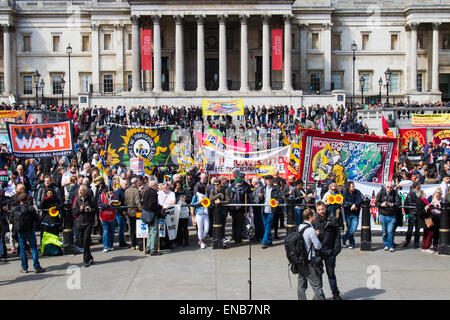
<point x="268" y="177"/>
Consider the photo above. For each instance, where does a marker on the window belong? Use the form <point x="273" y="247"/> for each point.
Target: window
<point x="2" y="84"/>
<point x="293" y="42"/>
<point x="394" y="42"/>
<point x="130" y="41"/>
<point x="129" y="82"/>
<point x="315" y="82"/>
<point x="336" y="81"/>
<point x="85" y="44"/>
<point x="108" y="85"/>
<point x="56" y="84"/>
<point x="27" y="85"/>
<point x="446" y="42"/>
<point x="336" y="42"/>
<point x="27" y="43"/>
<point x="420" y="43"/>
<point x="315" y="41"/>
<point x="394" y="84"/>
<point x="365" y="42"/>
<point x="107" y="42"/>
<point x="56" y="44"/>
<point x="85" y="82"/>
<point x="367" y="81"/>
<point x="419" y="82"/>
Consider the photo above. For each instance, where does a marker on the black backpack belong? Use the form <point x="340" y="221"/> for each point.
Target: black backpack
<point x="296" y="249"/>
<point x="23" y="220"/>
<point x="237" y="197"/>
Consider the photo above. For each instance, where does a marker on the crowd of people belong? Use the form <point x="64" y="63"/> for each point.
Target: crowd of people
<point x="100" y="204"/>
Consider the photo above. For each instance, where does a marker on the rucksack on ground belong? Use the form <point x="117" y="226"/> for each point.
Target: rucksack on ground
<point x="296" y="251"/>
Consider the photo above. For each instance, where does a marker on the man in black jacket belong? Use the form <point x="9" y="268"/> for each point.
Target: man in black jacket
<point x="24" y="218"/>
<point x="330" y="238"/>
<point x="352" y="202"/>
<point x="413" y="222"/>
<point x="388" y="202"/>
<point x="150" y="203"/>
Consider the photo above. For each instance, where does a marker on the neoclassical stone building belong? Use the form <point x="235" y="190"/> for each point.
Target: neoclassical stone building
<point x="221" y="49"/>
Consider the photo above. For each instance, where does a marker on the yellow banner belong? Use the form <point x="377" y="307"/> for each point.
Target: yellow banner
<point x="12" y="114"/>
<point x="431" y="120"/>
<point x="223" y="108"/>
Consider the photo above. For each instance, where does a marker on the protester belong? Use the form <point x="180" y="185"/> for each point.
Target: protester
<point x="352" y="206"/>
<point x="201" y="215"/>
<point x="388" y="202"/>
<point x="413" y="221"/>
<point x="150" y="204"/>
<point x="133" y="200"/>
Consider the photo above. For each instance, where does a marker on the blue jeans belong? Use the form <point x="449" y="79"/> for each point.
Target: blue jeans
<point x="388" y="225"/>
<point x="109" y="227"/>
<point x="29" y="236"/>
<point x="267" y="219"/>
<point x="153" y="235"/>
<point x="352" y="225"/>
<point x="298" y="216"/>
<point x="122" y="223"/>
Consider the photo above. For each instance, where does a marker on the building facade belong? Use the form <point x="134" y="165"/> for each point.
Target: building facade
<point x="222" y="50"/>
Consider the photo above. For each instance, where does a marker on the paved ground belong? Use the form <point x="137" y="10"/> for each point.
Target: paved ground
<point x="191" y="273"/>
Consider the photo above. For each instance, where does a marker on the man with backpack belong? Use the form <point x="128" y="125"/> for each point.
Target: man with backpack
<point x="307" y="268"/>
<point x="24" y="218"/>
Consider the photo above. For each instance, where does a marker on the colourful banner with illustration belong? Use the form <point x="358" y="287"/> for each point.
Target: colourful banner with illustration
<point x="277" y="49"/>
<point x="413" y="139"/>
<point x="215" y="139"/>
<point x="40" y="140"/>
<point x="257" y="163"/>
<point x="431" y="120"/>
<point x="223" y="108"/>
<point x="350" y="156"/>
<point x="153" y="145"/>
<point x="14" y="116"/>
<point x="440" y="135"/>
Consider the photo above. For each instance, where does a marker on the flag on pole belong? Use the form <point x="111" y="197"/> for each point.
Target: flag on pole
<point x="290" y="171"/>
<point x="31" y="119"/>
<point x="386" y="129"/>
<point x="264" y="170"/>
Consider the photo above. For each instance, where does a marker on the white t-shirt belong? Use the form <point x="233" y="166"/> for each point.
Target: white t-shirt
<point x="444" y="188"/>
<point x="166" y="199"/>
<point x="268" y="195"/>
<point x="406" y="184"/>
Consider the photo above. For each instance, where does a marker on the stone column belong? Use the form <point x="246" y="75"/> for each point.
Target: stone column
<point x="119" y="55"/>
<point x="287" y="53"/>
<point x="201" y="52"/>
<point x="327" y="56"/>
<point x="303" y="55"/>
<point x="95" y="58"/>
<point x="222" y="53"/>
<point x="156" y="53"/>
<point x="7" y="29"/>
<point x="244" y="52"/>
<point x="414" y="27"/>
<point x="179" y="53"/>
<point x="407" y="58"/>
<point x="136" y="55"/>
<point x="266" y="53"/>
<point x="435" y="58"/>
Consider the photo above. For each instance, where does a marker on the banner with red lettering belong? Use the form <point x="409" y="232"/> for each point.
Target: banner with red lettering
<point x="277" y="49"/>
<point x="439" y="135"/>
<point x="352" y="157"/>
<point x="146" y="49"/>
<point x="413" y="139"/>
<point x="41" y="140"/>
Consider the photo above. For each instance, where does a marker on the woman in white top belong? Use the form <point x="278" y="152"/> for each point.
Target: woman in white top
<point x="201" y="215"/>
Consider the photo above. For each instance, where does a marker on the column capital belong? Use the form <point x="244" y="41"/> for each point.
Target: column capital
<point x="156" y="18"/>
<point x="7" y="28"/>
<point x="288" y="18"/>
<point x="327" y="26"/>
<point x="95" y="27"/>
<point x="222" y="18"/>
<point x="119" y="27"/>
<point x="135" y="19"/>
<point x="244" y="18"/>
<point x="413" y="26"/>
<point x="266" y="18"/>
<point x="200" y="18"/>
<point x="178" y="19"/>
<point x="303" y="26"/>
<point x="436" y="25"/>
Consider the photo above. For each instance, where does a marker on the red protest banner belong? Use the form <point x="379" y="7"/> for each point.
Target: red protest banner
<point x="277" y="49"/>
<point x="146" y="49"/>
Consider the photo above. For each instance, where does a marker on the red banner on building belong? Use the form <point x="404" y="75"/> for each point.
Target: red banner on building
<point x="413" y="138"/>
<point x="146" y="49"/>
<point x="277" y="49"/>
<point x="440" y="135"/>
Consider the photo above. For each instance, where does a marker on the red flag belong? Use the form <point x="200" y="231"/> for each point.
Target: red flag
<point x="30" y="118"/>
<point x="146" y="49"/>
<point x="277" y="49"/>
<point x="386" y="130"/>
<point x="290" y="171"/>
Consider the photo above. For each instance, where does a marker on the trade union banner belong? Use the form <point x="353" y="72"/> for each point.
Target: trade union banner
<point x="14" y="116"/>
<point x="153" y="145"/>
<point x="223" y="108"/>
<point x="277" y="49"/>
<point x="351" y="157"/>
<point x="41" y="140"/>
<point x="413" y="138"/>
<point x="215" y="139"/>
<point x="257" y="163"/>
<point x="431" y="120"/>
<point x="146" y="49"/>
<point x="440" y="135"/>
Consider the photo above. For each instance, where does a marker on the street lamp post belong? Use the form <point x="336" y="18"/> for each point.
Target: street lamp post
<point x="380" y="84"/>
<point x="388" y="75"/>
<point x="354" y="47"/>
<point x="69" y="51"/>
<point x="36" y="77"/>
<point x="361" y="83"/>
<point x="62" y="84"/>
<point x="42" y="92"/>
